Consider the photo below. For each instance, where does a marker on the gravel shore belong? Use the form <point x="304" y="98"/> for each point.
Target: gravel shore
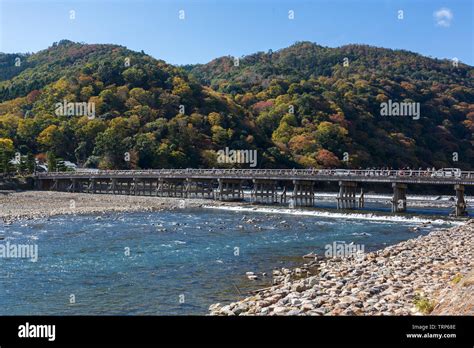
<point x="41" y="204"/>
<point x="408" y="278"/>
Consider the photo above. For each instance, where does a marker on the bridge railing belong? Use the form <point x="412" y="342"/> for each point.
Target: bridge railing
<point x="255" y="173"/>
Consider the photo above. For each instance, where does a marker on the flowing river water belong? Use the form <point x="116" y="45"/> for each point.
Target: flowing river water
<point x="175" y="262"/>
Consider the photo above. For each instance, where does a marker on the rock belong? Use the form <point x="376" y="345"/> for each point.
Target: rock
<point x="342" y="305"/>
<point x="381" y="283"/>
<point x="214" y="307"/>
<point x="274" y="299"/>
<point x="280" y="310"/>
<point x="227" y="311"/>
<point x="295" y="301"/>
<point x="294" y="312"/>
<point x="237" y="311"/>
<point x="298" y="287"/>
<point x="307" y="307"/>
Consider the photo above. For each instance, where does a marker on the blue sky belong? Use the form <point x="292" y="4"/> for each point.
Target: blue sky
<point x="214" y="28"/>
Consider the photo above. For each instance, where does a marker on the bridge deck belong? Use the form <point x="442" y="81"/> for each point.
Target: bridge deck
<point x="369" y="176"/>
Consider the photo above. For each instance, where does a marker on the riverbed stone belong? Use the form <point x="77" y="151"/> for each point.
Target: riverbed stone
<point x="384" y="282"/>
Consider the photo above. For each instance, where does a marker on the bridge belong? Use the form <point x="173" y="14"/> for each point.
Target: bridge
<point x="267" y="185"/>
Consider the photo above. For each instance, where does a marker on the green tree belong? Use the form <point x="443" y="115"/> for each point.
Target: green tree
<point x="52" y="162"/>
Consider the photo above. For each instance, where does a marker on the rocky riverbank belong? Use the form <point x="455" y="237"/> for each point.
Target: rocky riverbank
<point x="409" y="278"/>
<point x="41" y="204"/>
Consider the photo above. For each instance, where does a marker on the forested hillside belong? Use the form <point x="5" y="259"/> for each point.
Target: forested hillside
<point x="148" y="114"/>
<point x="303" y="106"/>
<point x="337" y="106"/>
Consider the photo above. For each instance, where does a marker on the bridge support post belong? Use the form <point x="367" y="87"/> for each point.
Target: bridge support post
<point x="399" y="200"/>
<point x="283" y="196"/>
<point x="199" y="188"/>
<point x="124" y="187"/>
<point x="136" y="181"/>
<point x="80" y="186"/>
<point x="171" y="188"/>
<point x="346" y="199"/>
<point x="113" y="186"/>
<point x="72" y="186"/>
<point x="230" y="189"/>
<point x="91" y="187"/>
<point x="460" y="209"/>
<point x="361" y="199"/>
<point x="146" y="187"/>
<point x="303" y="193"/>
<point x="264" y="191"/>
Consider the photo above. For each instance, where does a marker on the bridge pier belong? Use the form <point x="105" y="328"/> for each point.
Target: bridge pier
<point x="123" y="186"/>
<point x="147" y="187"/>
<point x="283" y="196"/>
<point x="83" y="185"/>
<point x="346" y="199"/>
<point x="126" y="186"/>
<point x="399" y="200"/>
<point x="264" y="191"/>
<point x="203" y="188"/>
<point x="64" y="185"/>
<point x="170" y="188"/>
<point x="460" y="209"/>
<point x="141" y="187"/>
<point x="135" y="188"/>
<point x="98" y="186"/>
<point x="303" y="193"/>
<point x="361" y="199"/>
<point x="230" y="189"/>
<point x="91" y="187"/>
<point x="102" y="186"/>
<point x="72" y="185"/>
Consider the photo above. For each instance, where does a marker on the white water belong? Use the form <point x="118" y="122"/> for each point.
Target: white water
<point x="324" y="214"/>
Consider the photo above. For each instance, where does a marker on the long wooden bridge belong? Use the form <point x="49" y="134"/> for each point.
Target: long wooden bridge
<point x="267" y="185"/>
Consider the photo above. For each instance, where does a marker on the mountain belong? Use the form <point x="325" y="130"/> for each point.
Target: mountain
<point x="302" y="106"/>
<point x="146" y="113"/>
<point x="336" y="95"/>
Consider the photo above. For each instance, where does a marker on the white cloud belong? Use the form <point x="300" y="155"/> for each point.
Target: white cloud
<point x="443" y="17"/>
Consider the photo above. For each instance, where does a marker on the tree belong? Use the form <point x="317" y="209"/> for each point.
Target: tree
<point x="30" y="163"/>
<point x="52" y="162"/>
<point x="6" y="153"/>
<point x="330" y="136"/>
<point x="134" y="76"/>
<point x="327" y="159"/>
<point x="51" y="139"/>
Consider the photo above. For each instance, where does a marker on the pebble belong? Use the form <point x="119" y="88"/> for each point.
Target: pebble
<point x="383" y="282"/>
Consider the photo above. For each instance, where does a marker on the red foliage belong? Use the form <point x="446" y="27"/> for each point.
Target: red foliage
<point x="327" y="159"/>
<point x="32" y="96"/>
<point x="262" y="105"/>
<point x="41" y="157"/>
<point x="339" y="119"/>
